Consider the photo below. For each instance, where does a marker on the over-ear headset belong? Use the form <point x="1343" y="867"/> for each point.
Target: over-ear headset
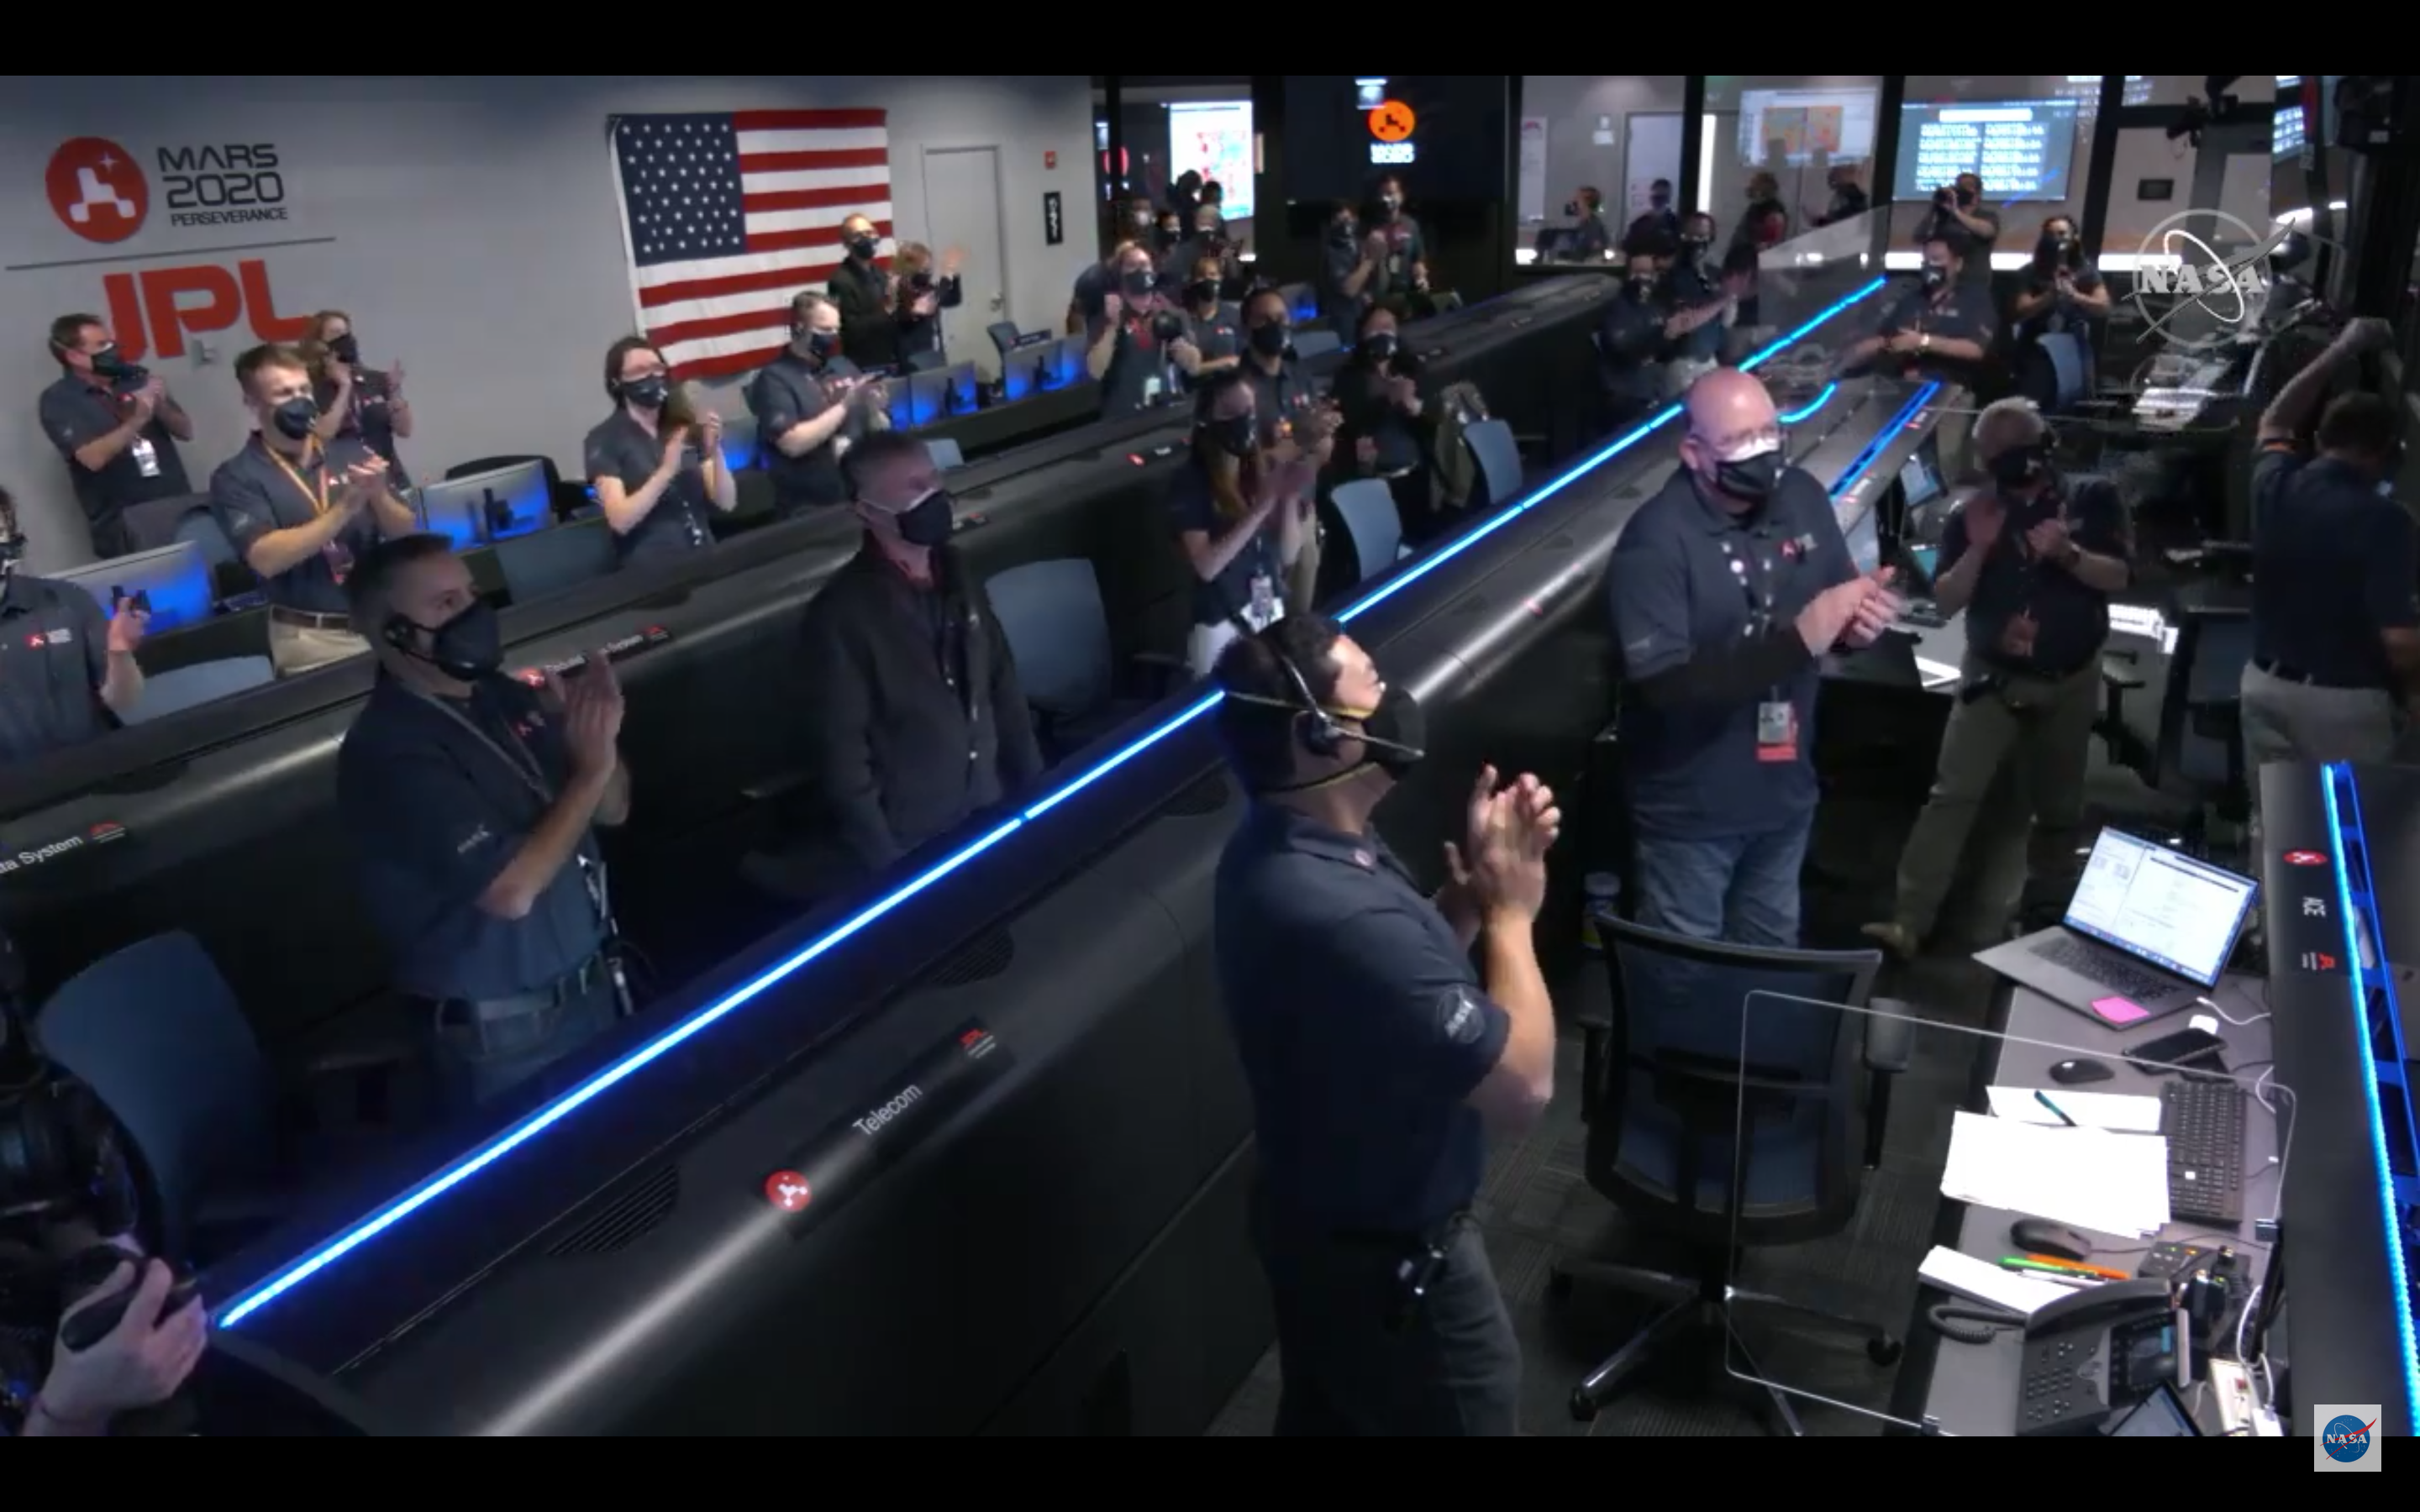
<point x="1314" y="728"/>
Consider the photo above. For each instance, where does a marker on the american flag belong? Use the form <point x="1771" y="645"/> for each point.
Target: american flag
<point x="728" y="216"/>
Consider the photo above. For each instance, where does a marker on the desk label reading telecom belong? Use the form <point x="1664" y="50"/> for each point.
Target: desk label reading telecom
<point x="837" y="1163"/>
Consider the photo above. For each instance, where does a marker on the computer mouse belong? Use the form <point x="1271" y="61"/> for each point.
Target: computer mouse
<point x="2040" y="1236"/>
<point x="2077" y="1073"/>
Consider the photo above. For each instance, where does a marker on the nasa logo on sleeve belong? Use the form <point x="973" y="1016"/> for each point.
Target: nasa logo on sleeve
<point x="1460" y="1018"/>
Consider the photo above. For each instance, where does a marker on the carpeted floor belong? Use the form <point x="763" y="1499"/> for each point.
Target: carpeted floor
<point x="1537" y="1206"/>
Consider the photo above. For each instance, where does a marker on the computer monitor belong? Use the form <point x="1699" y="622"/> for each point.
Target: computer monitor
<point x="935" y="394"/>
<point x="1919" y="476"/>
<point x="1067" y="367"/>
<point x="554" y="560"/>
<point x="1865" y="538"/>
<point x="738" y="447"/>
<point x="494" y="506"/>
<point x="2160" y="905"/>
<point x="173" y="581"/>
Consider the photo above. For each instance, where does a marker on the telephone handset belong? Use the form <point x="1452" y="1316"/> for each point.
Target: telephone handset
<point x="2100" y="1350"/>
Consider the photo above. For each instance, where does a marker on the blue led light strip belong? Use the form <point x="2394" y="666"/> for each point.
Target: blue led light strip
<point x="2338" y="787"/>
<point x="1800" y="417"/>
<point x="283" y="1282"/>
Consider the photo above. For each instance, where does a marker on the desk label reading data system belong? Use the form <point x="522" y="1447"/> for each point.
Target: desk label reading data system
<point x="837" y="1163"/>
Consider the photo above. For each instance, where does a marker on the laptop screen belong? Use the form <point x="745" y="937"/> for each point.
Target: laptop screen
<point x="2160" y="907"/>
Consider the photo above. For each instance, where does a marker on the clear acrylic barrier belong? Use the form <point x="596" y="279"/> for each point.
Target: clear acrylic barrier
<point x="1884" y="1143"/>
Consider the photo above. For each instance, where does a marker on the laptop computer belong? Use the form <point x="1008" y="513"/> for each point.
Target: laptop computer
<point x="2148" y="931"/>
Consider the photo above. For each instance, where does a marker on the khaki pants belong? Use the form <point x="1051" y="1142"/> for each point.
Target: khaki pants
<point x="2008" y="803"/>
<point x="1302" y="578"/>
<point x="2286" y="721"/>
<point x="296" y="649"/>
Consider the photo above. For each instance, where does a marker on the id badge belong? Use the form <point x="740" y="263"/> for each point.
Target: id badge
<point x="147" y="457"/>
<point x="340" y="561"/>
<point x="1777" y="732"/>
<point x="1264" y="610"/>
<point x="1152" y="388"/>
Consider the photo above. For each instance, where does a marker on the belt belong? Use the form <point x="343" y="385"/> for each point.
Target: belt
<point x="305" y="619"/>
<point x="580" y="980"/>
<point x="2284" y="673"/>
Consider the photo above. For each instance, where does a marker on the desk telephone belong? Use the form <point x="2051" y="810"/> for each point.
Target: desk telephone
<point x="2097" y="1352"/>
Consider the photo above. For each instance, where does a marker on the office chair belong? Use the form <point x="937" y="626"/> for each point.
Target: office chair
<point x="1311" y="344"/>
<point x="204" y="682"/>
<point x="1498" y="454"/>
<point x="556" y="559"/>
<point x="924" y="361"/>
<point x="1059" y="632"/>
<point x="1663" y="1096"/>
<point x="2198" y="752"/>
<point x="156" y="1034"/>
<point x="153" y="522"/>
<point x="1367" y="506"/>
<point x="1003" y="337"/>
<point x="229" y="575"/>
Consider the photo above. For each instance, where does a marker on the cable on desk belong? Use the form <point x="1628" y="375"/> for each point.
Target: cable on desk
<point x="1971" y="1325"/>
<point x="2226" y="1017"/>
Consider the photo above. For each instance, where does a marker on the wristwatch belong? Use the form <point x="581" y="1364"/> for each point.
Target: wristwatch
<point x="1924" y="341"/>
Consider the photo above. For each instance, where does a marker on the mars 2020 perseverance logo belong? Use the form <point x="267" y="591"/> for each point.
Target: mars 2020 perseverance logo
<point x="96" y="189"/>
<point x="2193" y="299"/>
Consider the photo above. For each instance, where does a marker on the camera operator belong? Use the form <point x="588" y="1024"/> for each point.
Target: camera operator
<point x="141" y="1363"/>
<point x="1959" y="206"/>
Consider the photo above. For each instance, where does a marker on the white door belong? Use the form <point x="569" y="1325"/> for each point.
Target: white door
<point x="962" y="215"/>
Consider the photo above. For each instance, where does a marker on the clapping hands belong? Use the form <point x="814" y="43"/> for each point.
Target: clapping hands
<point x="1500" y="865"/>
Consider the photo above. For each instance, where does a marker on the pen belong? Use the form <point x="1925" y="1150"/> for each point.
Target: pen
<point x="2078" y="1267"/>
<point x="2044" y="1097"/>
<point x="2049" y="1272"/>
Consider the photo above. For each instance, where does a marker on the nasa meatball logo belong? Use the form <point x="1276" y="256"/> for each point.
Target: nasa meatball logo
<point x="98" y="190"/>
<point x="2347" y="1437"/>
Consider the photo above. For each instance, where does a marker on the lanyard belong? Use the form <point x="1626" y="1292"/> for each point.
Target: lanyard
<point x="317" y="499"/>
<point x="525" y="765"/>
<point x="1754" y="575"/>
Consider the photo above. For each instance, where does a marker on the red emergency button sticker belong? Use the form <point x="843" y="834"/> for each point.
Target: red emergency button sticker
<point x="787" y="1191"/>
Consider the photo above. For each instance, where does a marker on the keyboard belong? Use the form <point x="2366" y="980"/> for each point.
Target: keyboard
<point x="2104" y="967"/>
<point x="2203" y="1121"/>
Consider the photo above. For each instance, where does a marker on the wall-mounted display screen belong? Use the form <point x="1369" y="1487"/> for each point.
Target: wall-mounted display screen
<point x="1794" y="127"/>
<point x="1214" y="140"/>
<point x="1445" y="133"/>
<point x="2023" y="149"/>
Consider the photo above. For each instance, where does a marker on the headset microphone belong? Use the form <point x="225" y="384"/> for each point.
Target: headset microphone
<point x="1318" y="729"/>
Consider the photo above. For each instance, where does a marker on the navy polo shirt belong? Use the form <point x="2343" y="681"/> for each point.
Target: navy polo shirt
<point x="2070" y="618"/>
<point x="2057" y="315"/>
<point x="785" y="393"/>
<point x="1361" y="395"/>
<point x="1961" y="312"/>
<point x="74" y="412"/>
<point x="2332" y="565"/>
<point x="369" y="418"/>
<point x="623" y="450"/>
<point x="435" y="814"/>
<point x="1688" y="575"/>
<point x="54" y="656"/>
<point x="1406" y="247"/>
<point x="253" y="494"/>
<point x="1339" y="255"/>
<point x="1630" y="336"/>
<point x="1137" y="363"/>
<point x="1280" y="396"/>
<point x="1694" y="284"/>
<point x="1219" y="334"/>
<point x="1361" y="1027"/>
<point x="1230" y="592"/>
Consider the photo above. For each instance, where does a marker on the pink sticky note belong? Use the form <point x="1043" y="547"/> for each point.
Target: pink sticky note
<point x="2119" y="1010"/>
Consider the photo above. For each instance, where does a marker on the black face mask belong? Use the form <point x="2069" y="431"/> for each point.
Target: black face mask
<point x="1347" y="230"/>
<point x="1137" y="285"/>
<point x="1392" y="205"/>
<point x="1203" y="291"/>
<point x="1660" y="202"/>
<point x="1750" y="479"/>
<point x="928" y="521"/>
<point x="1640" y="287"/>
<point x="1395" y="734"/>
<point x="1166" y="236"/>
<point x="1232" y="437"/>
<point x="1380" y="346"/>
<point x="2022" y="465"/>
<point x="1934" y="277"/>
<point x="107" y="362"/>
<point x="647" y="392"/>
<point x="467" y="647"/>
<point x="920" y="283"/>
<point x="345" y="349"/>
<point x="863" y="248"/>
<point x="1694" y="248"/>
<point x="295" y="418"/>
<point x="822" y="344"/>
<point x="1271" y="340"/>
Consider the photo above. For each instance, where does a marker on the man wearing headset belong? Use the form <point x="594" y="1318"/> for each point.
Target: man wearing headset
<point x="472" y="801"/>
<point x="1376" y="1054"/>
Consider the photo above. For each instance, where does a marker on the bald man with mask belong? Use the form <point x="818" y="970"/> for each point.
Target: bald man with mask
<point x="1727" y="586"/>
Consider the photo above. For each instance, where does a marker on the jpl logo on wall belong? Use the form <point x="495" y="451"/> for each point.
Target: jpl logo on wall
<point x="2347" y="1437"/>
<point x="102" y="192"/>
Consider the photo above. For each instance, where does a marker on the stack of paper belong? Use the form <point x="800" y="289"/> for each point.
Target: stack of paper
<point x="1981" y="1281"/>
<point x="2116" y="1184"/>
<point x="2094" y="1110"/>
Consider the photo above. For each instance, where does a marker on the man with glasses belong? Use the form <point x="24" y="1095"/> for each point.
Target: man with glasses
<point x="1727" y="585"/>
